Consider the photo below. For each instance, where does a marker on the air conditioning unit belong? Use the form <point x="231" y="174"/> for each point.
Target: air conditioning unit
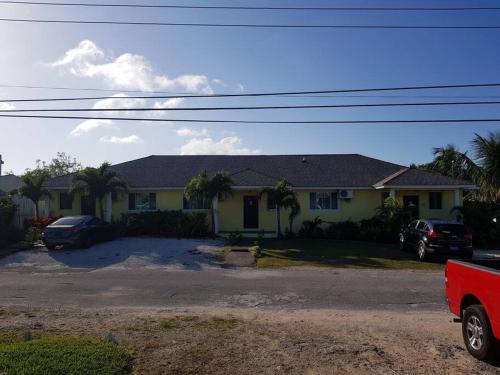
<point x="345" y="194"/>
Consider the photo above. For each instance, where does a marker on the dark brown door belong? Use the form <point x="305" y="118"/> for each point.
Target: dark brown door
<point x="88" y="205"/>
<point x="250" y="212"/>
<point x="411" y="202"/>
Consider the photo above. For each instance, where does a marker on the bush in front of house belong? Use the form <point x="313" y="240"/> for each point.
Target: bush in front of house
<point x="40" y="222"/>
<point x="7" y="212"/>
<point x="165" y="223"/>
<point x="311" y="228"/>
<point x="479" y="218"/>
<point x="343" y="230"/>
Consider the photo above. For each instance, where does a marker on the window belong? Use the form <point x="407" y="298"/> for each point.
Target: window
<point x="422" y="226"/>
<point x="65" y="201"/>
<point x="324" y="201"/>
<point x="436" y="200"/>
<point x="196" y="203"/>
<point x="142" y="201"/>
<point x="271" y="203"/>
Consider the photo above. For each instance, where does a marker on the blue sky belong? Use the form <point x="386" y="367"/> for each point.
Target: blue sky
<point x="248" y="60"/>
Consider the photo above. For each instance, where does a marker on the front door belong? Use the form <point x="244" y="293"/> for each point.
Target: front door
<point x="250" y="212"/>
<point x="88" y="205"/>
<point x="411" y="202"/>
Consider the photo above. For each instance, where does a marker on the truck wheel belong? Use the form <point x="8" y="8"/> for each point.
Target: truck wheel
<point x="422" y="252"/>
<point x="478" y="337"/>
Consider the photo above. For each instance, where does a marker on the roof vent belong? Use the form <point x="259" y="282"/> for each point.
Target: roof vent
<point x="304" y="159"/>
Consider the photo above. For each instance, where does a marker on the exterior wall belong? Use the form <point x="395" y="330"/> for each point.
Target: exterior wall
<point x="363" y="205"/>
<point x="423" y="197"/>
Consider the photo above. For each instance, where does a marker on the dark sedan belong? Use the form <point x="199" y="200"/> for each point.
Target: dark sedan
<point x="79" y="231"/>
<point x="448" y="239"/>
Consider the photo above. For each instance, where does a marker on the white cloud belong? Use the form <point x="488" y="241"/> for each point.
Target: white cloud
<point x="6" y="106"/>
<point x="121" y="140"/>
<point x="241" y="87"/>
<point x="208" y="146"/>
<point x="216" y="81"/>
<point x="89" y="125"/>
<point x="186" y="132"/>
<point x="127" y="71"/>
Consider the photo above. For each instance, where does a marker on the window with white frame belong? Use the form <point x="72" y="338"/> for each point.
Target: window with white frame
<point x="324" y="200"/>
<point x="196" y="203"/>
<point x="142" y="201"/>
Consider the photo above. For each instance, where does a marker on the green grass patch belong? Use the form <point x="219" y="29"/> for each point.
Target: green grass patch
<point x="193" y="321"/>
<point x="343" y="254"/>
<point x="64" y="356"/>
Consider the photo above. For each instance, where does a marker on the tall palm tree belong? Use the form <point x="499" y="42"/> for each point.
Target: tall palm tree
<point x="33" y="189"/>
<point x="283" y="197"/>
<point x="293" y="205"/>
<point x="214" y="189"/>
<point x="98" y="182"/>
<point x="448" y="161"/>
<point x="487" y="152"/>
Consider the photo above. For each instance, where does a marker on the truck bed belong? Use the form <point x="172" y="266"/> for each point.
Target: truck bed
<point x="491" y="265"/>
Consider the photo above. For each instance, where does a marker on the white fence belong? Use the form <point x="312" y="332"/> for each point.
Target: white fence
<point x="25" y="209"/>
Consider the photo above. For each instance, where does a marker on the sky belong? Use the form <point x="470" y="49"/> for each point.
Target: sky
<point x="208" y="60"/>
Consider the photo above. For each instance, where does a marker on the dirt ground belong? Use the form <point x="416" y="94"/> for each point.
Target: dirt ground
<point x="219" y="341"/>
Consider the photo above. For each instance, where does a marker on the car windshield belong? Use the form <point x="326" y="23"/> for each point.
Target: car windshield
<point x="453" y="229"/>
<point x="68" y="221"/>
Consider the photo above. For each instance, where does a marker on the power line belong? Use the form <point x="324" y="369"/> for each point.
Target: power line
<point x="274" y="107"/>
<point x="441" y="121"/>
<point x="259" y="94"/>
<point x="249" y="25"/>
<point x="225" y="7"/>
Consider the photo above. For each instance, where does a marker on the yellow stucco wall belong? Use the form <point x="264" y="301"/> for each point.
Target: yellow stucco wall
<point x="363" y="205"/>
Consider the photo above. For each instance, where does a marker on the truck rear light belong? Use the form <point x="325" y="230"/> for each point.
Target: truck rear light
<point x="432" y="234"/>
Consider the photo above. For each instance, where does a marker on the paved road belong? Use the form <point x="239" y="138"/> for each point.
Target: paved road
<point x="282" y="289"/>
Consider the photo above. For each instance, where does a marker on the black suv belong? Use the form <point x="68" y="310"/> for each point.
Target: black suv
<point x="437" y="237"/>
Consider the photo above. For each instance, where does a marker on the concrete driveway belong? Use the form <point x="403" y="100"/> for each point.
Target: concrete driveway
<point x="123" y="253"/>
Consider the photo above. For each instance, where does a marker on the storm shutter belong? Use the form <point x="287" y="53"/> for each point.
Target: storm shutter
<point x="312" y="201"/>
<point x="152" y="201"/>
<point x="131" y="201"/>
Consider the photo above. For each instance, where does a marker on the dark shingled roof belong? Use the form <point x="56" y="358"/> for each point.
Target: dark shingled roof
<point x="173" y="171"/>
<point x="411" y="176"/>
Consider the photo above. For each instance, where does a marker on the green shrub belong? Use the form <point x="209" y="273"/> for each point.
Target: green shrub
<point x="7" y="212"/>
<point x="165" y="223"/>
<point x="343" y="230"/>
<point x="234" y="238"/>
<point x="479" y="218"/>
<point x="312" y="229"/>
<point x="64" y="356"/>
<point x="33" y="235"/>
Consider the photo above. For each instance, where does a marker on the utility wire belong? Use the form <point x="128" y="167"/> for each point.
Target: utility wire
<point x="232" y="7"/>
<point x="441" y="121"/>
<point x="319" y="106"/>
<point x="282" y="93"/>
<point x="251" y="25"/>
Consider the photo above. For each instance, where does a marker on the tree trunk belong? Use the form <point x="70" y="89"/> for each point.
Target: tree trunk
<point x="212" y="214"/>
<point x="37" y="212"/>
<point x="278" y="221"/>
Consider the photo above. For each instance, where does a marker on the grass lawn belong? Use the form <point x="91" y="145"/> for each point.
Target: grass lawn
<point x="63" y="356"/>
<point x="347" y="254"/>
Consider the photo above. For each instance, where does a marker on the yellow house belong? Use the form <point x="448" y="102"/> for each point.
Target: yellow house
<point x="335" y="187"/>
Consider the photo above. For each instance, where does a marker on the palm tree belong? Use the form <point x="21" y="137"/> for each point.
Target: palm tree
<point x="32" y="187"/>
<point x="283" y="197"/>
<point x="214" y="189"/>
<point x="292" y="203"/>
<point x="450" y="162"/>
<point x="487" y="152"/>
<point x="98" y="182"/>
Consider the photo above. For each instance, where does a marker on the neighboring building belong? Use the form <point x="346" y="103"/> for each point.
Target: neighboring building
<point x="333" y="187"/>
<point x="9" y="182"/>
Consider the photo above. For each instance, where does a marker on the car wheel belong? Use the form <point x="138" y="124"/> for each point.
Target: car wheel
<point x="422" y="252"/>
<point x="478" y="337"/>
<point x="402" y="242"/>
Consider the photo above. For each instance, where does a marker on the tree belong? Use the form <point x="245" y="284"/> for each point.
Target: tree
<point x="448" y="161"/>
<point x="61" y="165"/>
<point x="214" y="189"/>
<point x="32" y="187"/>
<point x="98" y="182"/>
<point x="294" y="206"/>
<point x="283" y="197"/>
<point x="487" y="152"/>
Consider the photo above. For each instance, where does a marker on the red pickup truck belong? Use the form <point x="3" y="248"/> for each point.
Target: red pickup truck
<point x="473" y="293"/>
